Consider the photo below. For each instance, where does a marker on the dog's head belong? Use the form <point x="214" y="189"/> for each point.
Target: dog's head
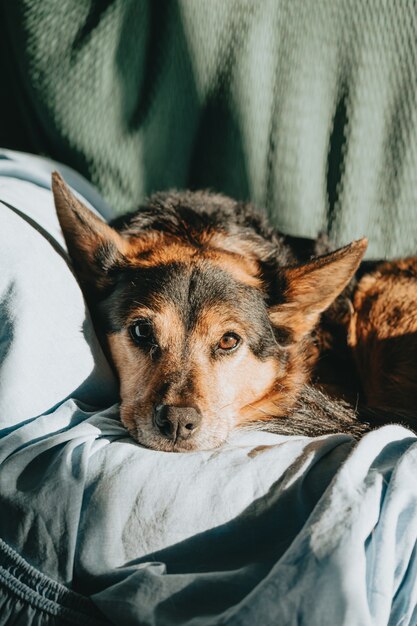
<point x="202" y="339"/>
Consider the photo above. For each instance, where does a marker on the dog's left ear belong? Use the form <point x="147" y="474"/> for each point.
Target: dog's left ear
<point x="311" y="288"/>
<point x="94" y="246"/>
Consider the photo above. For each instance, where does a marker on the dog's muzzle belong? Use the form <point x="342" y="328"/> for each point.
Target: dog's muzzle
<point x="177" y="422"/>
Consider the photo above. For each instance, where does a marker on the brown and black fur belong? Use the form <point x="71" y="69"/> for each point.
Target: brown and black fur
<point x="382" y="336"/>
<point x="190" y="269"/>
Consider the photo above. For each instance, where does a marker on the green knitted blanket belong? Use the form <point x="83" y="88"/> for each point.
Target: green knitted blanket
<point x="306" y="107"/>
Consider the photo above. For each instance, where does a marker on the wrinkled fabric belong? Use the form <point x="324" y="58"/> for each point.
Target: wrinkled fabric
<point x="28" y="598"/>
<point x="306" y="107"/>
<point x="267" y="529"/>
<point x="48" y="350"/>
<point x="96" y="529"/>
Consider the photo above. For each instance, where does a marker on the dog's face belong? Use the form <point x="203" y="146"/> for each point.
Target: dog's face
<point x="198" y="343"/>
<point x="193" y="348"/>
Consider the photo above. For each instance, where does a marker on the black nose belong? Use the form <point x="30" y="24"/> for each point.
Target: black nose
<point x="177" y="422"/>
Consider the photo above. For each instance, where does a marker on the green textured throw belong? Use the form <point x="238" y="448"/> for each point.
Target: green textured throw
<point x="306" y="107"/>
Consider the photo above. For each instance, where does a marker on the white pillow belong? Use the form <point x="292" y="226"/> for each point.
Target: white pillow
<point x="48" y="349"/>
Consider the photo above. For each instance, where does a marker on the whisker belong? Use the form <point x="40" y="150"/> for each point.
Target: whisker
<point x="256" y="408"/>
<point x="214" y="412"/>
<point x="225" y="406"/>
<point x="141" y="304"/>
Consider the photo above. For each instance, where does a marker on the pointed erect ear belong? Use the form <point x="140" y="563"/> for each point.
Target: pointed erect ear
<point x="310" y="289"/>
<point x="93" y="245"/>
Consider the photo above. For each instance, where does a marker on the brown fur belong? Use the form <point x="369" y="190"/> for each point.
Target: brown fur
<point x="263" y="385"/>
<point x="383" y="335"/>
<point x="167" y="249"/>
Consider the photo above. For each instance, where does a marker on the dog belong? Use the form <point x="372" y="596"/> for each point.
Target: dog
<point x="214" y="321"/>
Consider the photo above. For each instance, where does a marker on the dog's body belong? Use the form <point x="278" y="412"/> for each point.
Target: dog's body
<point x="213" y="320"/>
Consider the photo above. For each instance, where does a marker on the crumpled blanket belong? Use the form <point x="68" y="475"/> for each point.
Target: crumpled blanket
<point x="95" y="529"/>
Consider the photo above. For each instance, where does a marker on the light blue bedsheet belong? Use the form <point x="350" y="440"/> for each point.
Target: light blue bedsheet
<point x="267" y="530"/>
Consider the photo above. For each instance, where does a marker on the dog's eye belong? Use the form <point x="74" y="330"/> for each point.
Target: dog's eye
<point x="228" y="342"/>
<point x="141" y="331"/>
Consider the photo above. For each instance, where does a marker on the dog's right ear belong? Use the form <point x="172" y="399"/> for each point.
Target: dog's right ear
<point x="94" y="246"/>
<point x="310" y="288"/>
